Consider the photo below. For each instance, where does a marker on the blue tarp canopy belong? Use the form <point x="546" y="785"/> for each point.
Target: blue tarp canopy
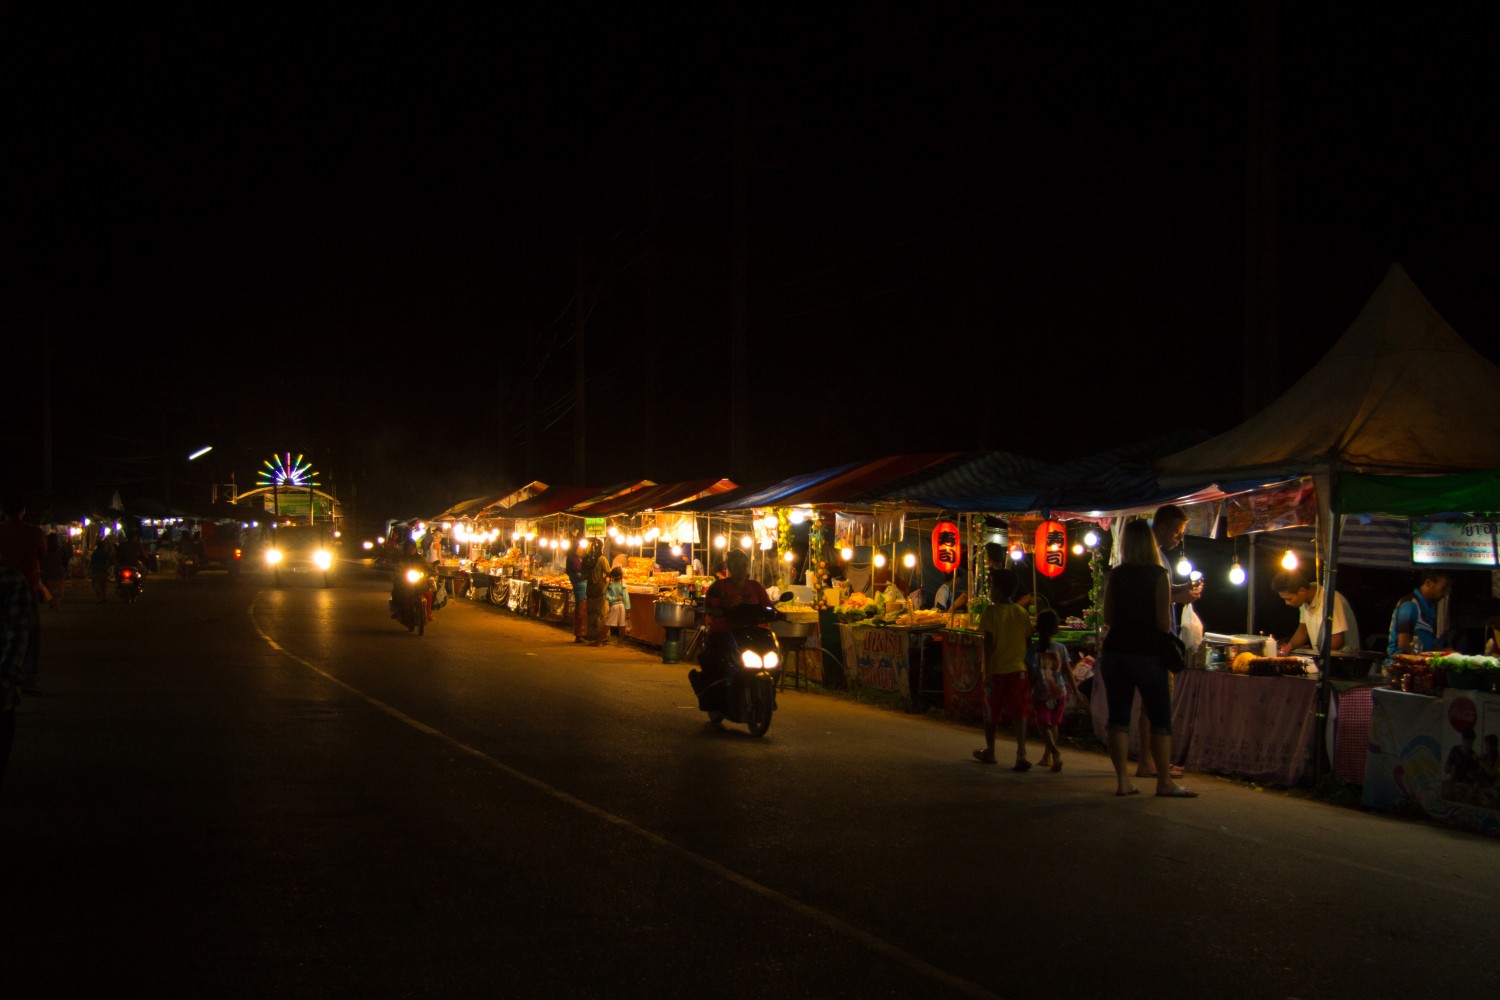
<point x="999" y="482"/>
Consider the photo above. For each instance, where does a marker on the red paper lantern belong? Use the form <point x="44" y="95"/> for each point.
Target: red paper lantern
<point x="946" y="547"/>
<point x="1051" y="552"/>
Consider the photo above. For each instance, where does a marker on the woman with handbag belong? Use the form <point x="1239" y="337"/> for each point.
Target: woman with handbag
<point x="1137" y="612"/>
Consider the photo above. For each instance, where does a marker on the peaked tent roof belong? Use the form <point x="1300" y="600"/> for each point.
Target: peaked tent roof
<point x="550" y="501"/>
<point x="851" y="485"/>
<point x="653" y="497"/>
<point x="1399" y="393"/>
<point x="987" y="482"/>
<point x="766" y="496"/>
<point x="470" y="508"/>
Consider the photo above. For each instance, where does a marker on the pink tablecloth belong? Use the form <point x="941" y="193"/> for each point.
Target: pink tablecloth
<point x="1260" y="728"/>
<point x="1350" y="718"/>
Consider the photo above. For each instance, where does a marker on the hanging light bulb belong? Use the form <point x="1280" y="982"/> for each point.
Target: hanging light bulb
<point x="746" y="541"/>
<point x="1289" y="561"/>
<point x="769" y="521"/>
<point x="565" y="545"/>
<point x="1183" y="566"/>
<point x="583" y="545"/>
<point x="1091" y="539"/>
<point x="1017" y="554"/>
<point x="847" y="554"/>
<point x="1195" y="576"/>
<point x="653" y="534"/>
<point x="796" y="517"/>
<point x="790" y="557"/>
<point x="879" y="560"/>
<point x="909" y="560"/>
<point x="720" y="541"/>
<point x="1078" y="548"/>
<point x="1237" y="573"/>
<point x="676" y="550"/>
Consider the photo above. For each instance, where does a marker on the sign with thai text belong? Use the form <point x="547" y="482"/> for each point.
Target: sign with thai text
<point x="1454" y="543"/>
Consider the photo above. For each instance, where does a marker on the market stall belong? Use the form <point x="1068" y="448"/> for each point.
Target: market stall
<point x="1436" y="749"/>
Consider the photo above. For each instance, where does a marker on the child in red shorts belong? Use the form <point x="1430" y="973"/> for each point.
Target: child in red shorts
<point x="1007" y="693"/>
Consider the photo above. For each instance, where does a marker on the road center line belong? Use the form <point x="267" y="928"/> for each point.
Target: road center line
<point x="828" y="920"/>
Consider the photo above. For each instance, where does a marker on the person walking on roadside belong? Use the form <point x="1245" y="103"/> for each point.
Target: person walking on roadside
<point x="22" y="547"/>
<point x="579" y="578"/>
<point x="598" y="605"/>
<point x="1137" y="599"/>
<point x="16" y="603"/>
<point x="55" y="568"/>
<point x="617" y="597"/>
<point x="99" y="570"/>
<point x="1007" y="692"/>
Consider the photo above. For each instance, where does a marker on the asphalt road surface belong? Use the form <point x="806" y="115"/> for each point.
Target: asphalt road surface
<point x="231" y="790"/>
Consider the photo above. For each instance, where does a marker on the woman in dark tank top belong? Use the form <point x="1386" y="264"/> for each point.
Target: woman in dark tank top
<point x="1137" y="611"/>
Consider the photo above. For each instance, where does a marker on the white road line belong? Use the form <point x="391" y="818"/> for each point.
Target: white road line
<point x="833" y="923"/>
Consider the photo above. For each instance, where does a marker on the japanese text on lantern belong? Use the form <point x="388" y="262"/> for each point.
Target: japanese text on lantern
<point x="1051" y="548"/>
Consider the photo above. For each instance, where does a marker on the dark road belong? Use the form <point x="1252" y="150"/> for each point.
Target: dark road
<point x="227" y="790"/>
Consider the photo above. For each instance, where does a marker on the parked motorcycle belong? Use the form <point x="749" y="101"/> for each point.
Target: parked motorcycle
<point x="749" y="662"/>
<point x="128" y="583"/>
<point x="413" y="600"/>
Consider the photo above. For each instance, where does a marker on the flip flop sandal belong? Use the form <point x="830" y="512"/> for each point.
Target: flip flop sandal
<point x="1177" y="793"/>
<point x="984" y="758"/>
<point x="1022" y="765"/>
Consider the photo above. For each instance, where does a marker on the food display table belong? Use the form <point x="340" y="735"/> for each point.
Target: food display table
<point x="1260" y="728"/>
<point x="883" y="657"/>
<point x="1416" y="755"/>
<point x="516" y="594"/>
<point x="642" y="618"/>
<point x="556" y="603"/>
<point x="963" y="675"/>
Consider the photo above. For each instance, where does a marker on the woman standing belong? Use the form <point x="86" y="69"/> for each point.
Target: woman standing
<point x="598" y="606"/>
<point x="1137" y="611"/>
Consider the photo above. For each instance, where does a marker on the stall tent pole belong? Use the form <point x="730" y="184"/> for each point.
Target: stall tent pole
<point x="1325" y="642"/>
<point x="1250" y="586"/>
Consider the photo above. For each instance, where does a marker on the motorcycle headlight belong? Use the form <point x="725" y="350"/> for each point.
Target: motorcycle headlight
<point x="323" y="559"/>
<point x="772" y="661"/>
<point x="414" y="576"/>
<point x="751" y="659"/>
<point x="273" y="556"/>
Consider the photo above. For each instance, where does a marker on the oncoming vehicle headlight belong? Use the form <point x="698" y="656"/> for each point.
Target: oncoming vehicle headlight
<point x="323" y="559"/>
<point x="414" y="576"/>
<point x="772" y="661"/>
<point x="751" y="659"/>
<point x="273" y="556"/>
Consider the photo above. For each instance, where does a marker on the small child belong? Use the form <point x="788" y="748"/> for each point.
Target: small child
<point x="1050" y="694"/>
<point x="618" y="600"/>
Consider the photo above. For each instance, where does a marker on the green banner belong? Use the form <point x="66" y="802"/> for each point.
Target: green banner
<point x="593" y="526"/>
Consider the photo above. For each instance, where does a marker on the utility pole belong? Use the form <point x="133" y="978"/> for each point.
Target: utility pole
<point x="530" y="415"/>
<point x="1262" y="358"/>
<point x="580" y="401"/>
<point x="653" y="277"/>
<point x="739" y="374"/>
<point x="46" y="414"/>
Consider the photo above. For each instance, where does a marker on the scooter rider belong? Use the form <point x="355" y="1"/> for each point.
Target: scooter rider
<point x="408" y="559"/>
<point x="732" y="591"/>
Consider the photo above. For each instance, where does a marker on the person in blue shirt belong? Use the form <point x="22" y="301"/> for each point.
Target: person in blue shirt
<point x="1415" y="619"/>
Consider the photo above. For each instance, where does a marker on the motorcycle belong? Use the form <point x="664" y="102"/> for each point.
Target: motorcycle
<point x="128" y="583"/>
<point x="750" y="662"/>
<point x="413" y="600"/>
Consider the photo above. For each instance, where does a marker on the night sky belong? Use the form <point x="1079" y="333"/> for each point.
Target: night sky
<point x="359" y="235"/>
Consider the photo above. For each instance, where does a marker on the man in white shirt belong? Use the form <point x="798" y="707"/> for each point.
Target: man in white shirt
<point x="1298" y="592"/>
